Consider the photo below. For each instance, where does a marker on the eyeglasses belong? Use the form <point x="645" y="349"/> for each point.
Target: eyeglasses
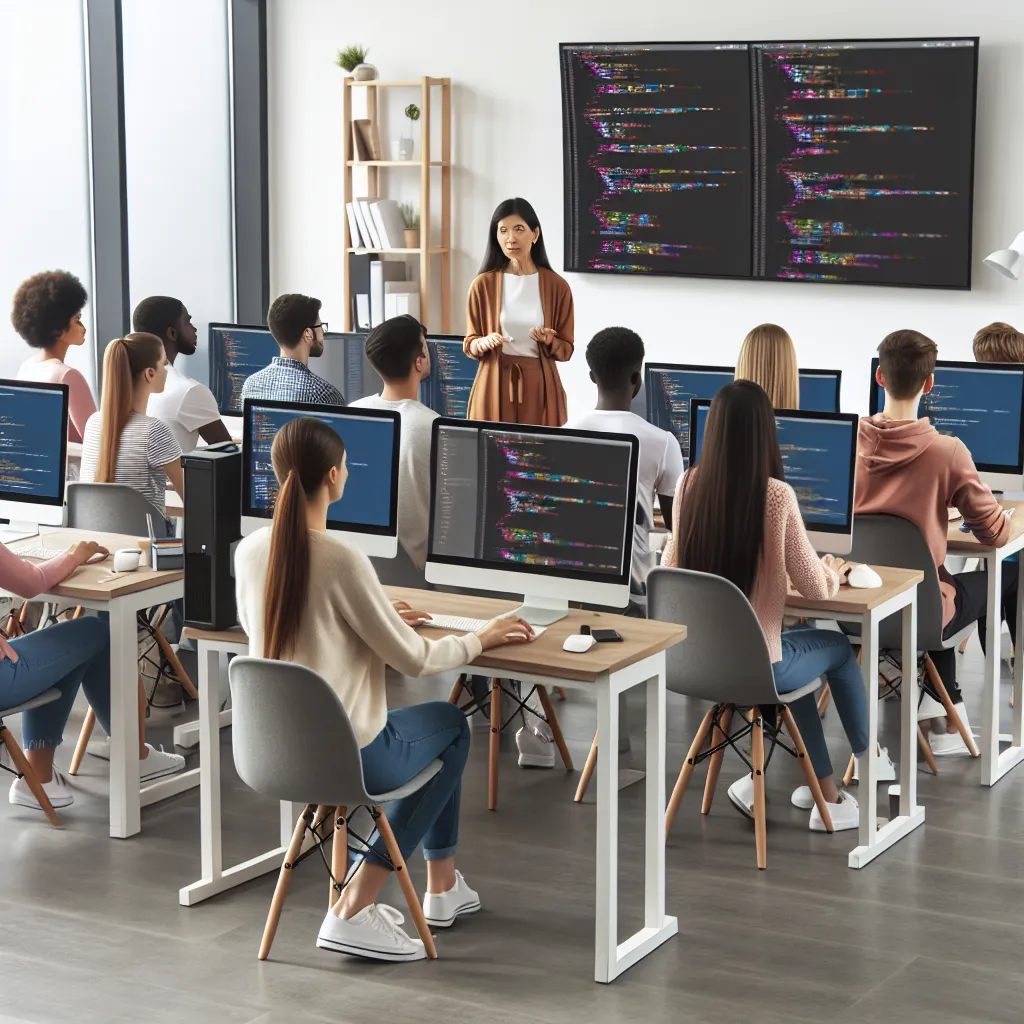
<point x="322" y="326"/>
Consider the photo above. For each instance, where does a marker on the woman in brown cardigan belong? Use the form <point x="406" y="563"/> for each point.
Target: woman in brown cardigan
<point x="519" y="324"/>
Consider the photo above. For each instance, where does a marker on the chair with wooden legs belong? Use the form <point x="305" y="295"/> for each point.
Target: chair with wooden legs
<point x="292" y="740"/>
<point x="22" y="769"/>
<point x="493" y="707"/>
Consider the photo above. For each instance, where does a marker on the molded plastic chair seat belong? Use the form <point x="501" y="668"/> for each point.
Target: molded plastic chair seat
<point x="21" y="766"/>
<point x="416" y="783"/>
<point x="46" y="697"/>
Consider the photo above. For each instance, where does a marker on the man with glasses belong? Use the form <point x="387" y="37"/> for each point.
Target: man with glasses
<point x="294" y="321"/>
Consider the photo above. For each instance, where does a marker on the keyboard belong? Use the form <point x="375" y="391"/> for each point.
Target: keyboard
<point x="34" y="551"/>
<point x="464" y="625"/>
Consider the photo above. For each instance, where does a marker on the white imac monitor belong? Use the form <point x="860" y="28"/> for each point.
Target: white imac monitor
<point x="33" y="456"/>
<point x="819" y="458"/>
<point x="537" y="511"/>
<point x="983" y="405"/>
<point x="367" y="514"/>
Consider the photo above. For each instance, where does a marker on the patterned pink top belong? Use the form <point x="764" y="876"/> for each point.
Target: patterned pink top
<point x="26" y="579"/>
<point x="787" y="556"/>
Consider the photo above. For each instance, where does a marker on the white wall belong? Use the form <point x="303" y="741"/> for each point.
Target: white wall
<point x="507" y="141"/>
<point x="44" y="170"/>
<point x="177" y="143"/>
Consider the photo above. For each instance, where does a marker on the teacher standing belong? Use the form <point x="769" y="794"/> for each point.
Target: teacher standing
<point x="519" y="324"/>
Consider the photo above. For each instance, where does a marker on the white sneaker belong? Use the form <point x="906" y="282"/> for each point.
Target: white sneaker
<point x="928" y="707"/>
<point x="845" y="814"/>
<point x="441" y="908"/>
<point x="56" y="789"/>
<point x="374" y="933"/>
<point x="802" y="798"/>
<point x="535" y="751"/>
<point x="741" y="793"/>
<point x="948" y="744"/>
<point x="158" y="764"/>
<point x="886" y="767"/>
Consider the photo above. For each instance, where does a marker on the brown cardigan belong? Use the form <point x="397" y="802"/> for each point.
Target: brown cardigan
<point x="483" y="317"/>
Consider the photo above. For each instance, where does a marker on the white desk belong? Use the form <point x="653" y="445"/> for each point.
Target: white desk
<point x="610" y="668"/>
<point x="869" y="608"/>
<point x="995" y="764"/>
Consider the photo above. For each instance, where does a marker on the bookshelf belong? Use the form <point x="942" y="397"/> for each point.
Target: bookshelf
<point x="435" y="252"/>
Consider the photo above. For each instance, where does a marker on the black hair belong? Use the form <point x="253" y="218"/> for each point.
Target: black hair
<point x="44" y="305"/>
<point x="290" y="315"/>
<point x="157" y="314"/>
<point x="613" y="354"/>
<point x="494" y="258"/>
<point x="392" y="347"/>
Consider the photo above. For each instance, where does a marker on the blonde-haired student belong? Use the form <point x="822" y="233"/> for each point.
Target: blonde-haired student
<point x="768" y="358"/>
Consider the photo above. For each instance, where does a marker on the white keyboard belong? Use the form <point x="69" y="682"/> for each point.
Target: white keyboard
<point x="34" y="551"/>
<point x="463" y="625"/>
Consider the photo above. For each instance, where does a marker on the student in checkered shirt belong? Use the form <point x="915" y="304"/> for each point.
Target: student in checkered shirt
<point x="294" y="321"/>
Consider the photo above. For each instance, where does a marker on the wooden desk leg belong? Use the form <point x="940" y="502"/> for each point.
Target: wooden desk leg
<point x="495" y="748"/>
<point x="125" y="803"/>
<point x="556" y="729"/>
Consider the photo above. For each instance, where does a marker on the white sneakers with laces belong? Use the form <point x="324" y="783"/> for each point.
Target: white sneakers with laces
<point x="441" y="908"/>
<point x="57" y="789"/>
<point x="951" y="744"/>
<point x="845" y="814"/>
<point x="159" y="763"/>
<point x="886" y="773"/>
<point x="374" y="933"/>
<point x="535" y="749"/>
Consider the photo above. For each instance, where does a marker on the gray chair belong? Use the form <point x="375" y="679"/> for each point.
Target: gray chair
<point x="292" y="740"/>
<point x="897" y="542"/>
<point x="22" y="768"/>
<point x="117" y="508"/>
<point x="725" y="661"/>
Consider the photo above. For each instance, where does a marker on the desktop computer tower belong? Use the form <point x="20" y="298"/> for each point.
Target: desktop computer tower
<point x="213" y="509"/>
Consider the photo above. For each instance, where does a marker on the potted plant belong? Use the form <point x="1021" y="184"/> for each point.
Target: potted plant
<point x="411" y="217"/>
<point x="406" y="146"/>
<point x="353" y="60"/>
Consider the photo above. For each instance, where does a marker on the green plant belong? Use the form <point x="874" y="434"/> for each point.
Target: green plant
<point x="351" y="57"/>
<point x="410" y="215"/>
<point x="412" y="112"/>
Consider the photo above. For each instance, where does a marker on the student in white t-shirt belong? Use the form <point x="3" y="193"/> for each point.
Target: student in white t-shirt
<point x="185" y="405"/>
<point x="397" y="350"/>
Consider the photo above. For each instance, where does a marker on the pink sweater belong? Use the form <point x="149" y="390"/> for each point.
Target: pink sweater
<point x="787" y="553"/>
<point x="53" y="371"/>
<point x="26" y="579"/>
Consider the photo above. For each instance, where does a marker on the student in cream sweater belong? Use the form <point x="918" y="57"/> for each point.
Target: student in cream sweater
<point x="308" y="597"/>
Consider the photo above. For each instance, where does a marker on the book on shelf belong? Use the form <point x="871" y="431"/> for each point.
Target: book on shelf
<point x="387" y="218"/>
<point x="366" y="219"/>
<point x="355" y="235"/>
<point x="401" y="297"/>
<point x="360" y="149"/>
<point x="381" y="272"/>
<point x="366" y="240"/>
<point x="366" y="129"/>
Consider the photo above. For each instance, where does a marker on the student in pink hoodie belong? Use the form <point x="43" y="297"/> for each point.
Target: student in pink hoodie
<point x="905" y="467"/>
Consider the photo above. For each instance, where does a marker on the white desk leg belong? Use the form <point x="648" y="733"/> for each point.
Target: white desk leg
<point x="606" y="926"/>
<point x="1018" y="676"/>
<point x="990" y="706"/>
<point x="209" y="763"/>
<point x="868" y="788"/>
<point x="908" y="716"/>
<point x="125" y="804"/>
<point x="654" y="809"/>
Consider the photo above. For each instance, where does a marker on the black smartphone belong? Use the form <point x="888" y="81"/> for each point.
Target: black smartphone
<point x="606" y="636"/>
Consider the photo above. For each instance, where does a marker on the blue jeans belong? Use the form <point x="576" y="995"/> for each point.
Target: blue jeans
<point x="806" y="655"/>
<point x="62" y="656"/>
<point x="411" y="739"/>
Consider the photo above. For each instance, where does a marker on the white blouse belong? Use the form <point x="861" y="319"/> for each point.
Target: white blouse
<point x="521" y="311"/>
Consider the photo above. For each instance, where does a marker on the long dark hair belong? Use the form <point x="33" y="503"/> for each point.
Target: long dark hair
<point x="303" y="453"/>
<point x="494" y="258"/>
<point x="720" y="521"/>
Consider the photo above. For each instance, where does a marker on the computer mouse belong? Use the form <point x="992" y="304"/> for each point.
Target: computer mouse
<point x="578" y="643"/>
<point x="127" y="559"/>
<point x="863" y="577"/>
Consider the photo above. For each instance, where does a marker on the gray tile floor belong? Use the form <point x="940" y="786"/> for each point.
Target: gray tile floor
<point x="933" y="931"/>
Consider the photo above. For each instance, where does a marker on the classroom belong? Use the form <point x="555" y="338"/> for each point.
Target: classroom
<point x="435" y="465"/>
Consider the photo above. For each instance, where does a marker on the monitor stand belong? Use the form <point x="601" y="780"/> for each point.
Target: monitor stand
<point x="14" y="531"/>
<point x="542" y="611"/>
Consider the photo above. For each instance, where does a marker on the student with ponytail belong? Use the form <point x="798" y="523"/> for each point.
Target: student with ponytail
<point x="122" y="444"/>
<point x="306" y="596"/>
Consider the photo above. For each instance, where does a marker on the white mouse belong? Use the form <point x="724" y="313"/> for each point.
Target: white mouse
<point x="127" y="559"/>
<point x="578" y="643"/>
<point x="863" y="577"/>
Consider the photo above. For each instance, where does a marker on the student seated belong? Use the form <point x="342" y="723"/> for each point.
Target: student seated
<point x="185" y="405"/>
<point x="61" y="656"/>
<point x="123" y="444"/>
<point x="905" y="467"/>
<point x="307" y="596"/>
<point x="999" y="343"/>
<point x="397" y="350"/>
<point x="768" y="358"/>
<point x="47" y="313"/>
<point x="294" y="321"/>
<point x="734" y="516"/>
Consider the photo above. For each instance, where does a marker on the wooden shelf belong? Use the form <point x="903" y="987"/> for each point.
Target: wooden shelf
<point x="378" y="84"/>
<point x="435" y="250"/>
<point x="396" y="163"/>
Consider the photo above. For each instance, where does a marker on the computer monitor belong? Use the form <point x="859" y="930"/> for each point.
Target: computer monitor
<point x="538" y="511"/>
<point x="983" y="405"/>
<point x="344" y="364"/>
<point x="819" y="390"/>
<point x="367" y="514"/>
<point x="33" y="456"/>
<point x="236" y="353"/>
<point x="819" y="456"/>
<point x="669" y="388"/>
<point x="452" y="373"/>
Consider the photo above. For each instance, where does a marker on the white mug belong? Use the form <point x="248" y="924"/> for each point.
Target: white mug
<point x="127" y="559"/>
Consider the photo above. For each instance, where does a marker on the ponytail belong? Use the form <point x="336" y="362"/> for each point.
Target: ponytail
<point x="303" y="453"/>
<point x="124" y="361"/>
